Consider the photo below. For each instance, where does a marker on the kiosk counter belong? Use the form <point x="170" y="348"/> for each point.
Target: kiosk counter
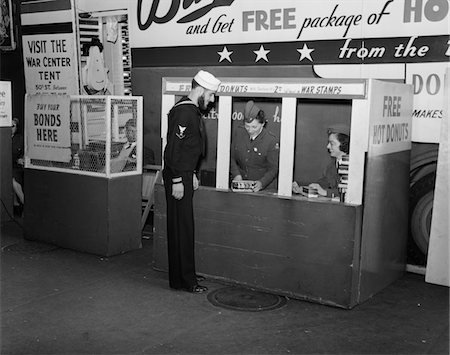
<point x="337" y="251"/>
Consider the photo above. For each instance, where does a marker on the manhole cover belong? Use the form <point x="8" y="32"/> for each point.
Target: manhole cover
<point x="29" y="247"/>
<point x="243" y="299"/>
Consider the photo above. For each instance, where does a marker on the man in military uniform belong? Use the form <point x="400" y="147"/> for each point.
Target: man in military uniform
<point x="186" y="145"/>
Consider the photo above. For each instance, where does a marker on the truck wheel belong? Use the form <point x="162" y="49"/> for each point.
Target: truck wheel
<point x="421" y="208"/>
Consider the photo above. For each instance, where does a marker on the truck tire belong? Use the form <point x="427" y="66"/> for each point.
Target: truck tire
<point x="421" y="209"/>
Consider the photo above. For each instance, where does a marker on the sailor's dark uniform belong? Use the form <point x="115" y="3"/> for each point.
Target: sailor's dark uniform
<point x="185" y="146"/>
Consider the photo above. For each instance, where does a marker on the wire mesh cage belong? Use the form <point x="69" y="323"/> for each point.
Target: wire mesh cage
<point x="92" y="135"/>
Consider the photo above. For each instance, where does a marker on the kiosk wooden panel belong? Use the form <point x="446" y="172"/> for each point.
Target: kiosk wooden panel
<point x="273" y="244"/>
<point x="334" y="253"/>
<point x="84" y="213"/>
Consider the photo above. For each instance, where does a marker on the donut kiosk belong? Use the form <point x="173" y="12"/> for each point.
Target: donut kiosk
<point x="338" y="250"/>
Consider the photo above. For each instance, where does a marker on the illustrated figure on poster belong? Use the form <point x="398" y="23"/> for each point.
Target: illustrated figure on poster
<point x="186" y="145"/>
<point x="338" y="147"/>
<point x="5" y="23"/>
<point x="17" y="166"/>
<point x="94" y="74"/>
<point x="254" y="151"/>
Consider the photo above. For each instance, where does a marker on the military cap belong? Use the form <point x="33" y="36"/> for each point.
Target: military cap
<point x="251" y="110"/>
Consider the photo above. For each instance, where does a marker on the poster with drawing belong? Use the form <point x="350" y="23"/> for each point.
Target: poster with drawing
<point x="6" y="26"/>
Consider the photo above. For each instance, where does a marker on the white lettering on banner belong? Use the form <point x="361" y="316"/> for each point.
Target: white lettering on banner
<point x="409" y="50"/>
<point x="346" y="51"/>
<point x="400" y="51"/>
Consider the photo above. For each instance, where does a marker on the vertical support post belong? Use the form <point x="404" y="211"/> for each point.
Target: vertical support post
<point x="359" y="138"/>
<point x="223" y="142"/>
<point x="115" y="122"/>
<point x="287" y="142"/>
<point x="140" y="141"/>
<point x="108" y="137"/>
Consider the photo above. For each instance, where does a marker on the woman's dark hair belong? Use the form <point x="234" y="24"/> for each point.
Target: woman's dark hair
<point x="345" y="142"/>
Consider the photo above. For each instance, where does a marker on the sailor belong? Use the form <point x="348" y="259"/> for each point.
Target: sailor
<point x="186" y="145"/>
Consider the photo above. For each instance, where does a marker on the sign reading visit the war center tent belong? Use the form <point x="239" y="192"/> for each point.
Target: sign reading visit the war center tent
<point x="50" y="64"/>
<point x="48" y="127"/>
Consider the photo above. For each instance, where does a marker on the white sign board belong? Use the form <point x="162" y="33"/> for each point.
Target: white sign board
<point x="276" y="87"/>
<point x="5" y="104"/>
<point x="47" y="125"/>
<point x="438" y="250"/>
<point x="429" y="99"/>
<point x="50" y="64"/>
<point x="185" y="23"/>
<point x="389" y="118"/>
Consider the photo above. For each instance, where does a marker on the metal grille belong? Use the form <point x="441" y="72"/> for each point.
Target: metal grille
<point x="95" y="121"/>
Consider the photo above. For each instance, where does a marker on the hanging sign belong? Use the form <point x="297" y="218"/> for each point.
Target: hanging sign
<point x="47" y="126"/>
<point x="276" y="87"/>
<point x="5" y="104"/>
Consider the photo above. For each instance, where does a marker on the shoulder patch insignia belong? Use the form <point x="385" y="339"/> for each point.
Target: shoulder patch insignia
<point x="180" y="134"/>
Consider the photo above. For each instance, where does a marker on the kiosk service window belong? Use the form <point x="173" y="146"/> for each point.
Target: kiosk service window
<point x="297" y="115"/>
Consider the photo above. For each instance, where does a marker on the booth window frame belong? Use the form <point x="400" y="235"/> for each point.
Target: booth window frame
<point x="289" y="90"/>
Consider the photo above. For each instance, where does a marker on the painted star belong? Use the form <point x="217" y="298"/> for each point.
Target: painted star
<point x="305" y="52"/>
<point x="261" y="53"/>
<point x="225" y="54"/>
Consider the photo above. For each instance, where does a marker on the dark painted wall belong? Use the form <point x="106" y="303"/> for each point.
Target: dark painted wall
<point x="6" y="190"/>
<point x="11" y="69"/>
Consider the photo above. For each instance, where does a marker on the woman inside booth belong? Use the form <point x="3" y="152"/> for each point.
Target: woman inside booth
<point x="254" y="151"/>
<point x="338" y="147"/>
